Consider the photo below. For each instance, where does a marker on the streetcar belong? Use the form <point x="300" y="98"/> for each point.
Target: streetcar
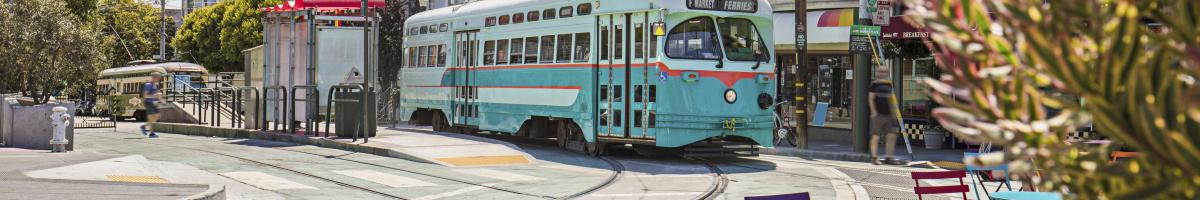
<point x="672" y="74"/>
<point x="119" y="90"/>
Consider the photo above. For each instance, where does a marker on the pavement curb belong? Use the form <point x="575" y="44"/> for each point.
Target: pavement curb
<point x="203" y="130"/>
<point x="813" y="154"/>
<point x="214" y="192"/>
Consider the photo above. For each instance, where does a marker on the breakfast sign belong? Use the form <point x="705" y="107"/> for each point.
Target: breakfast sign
<point x="724" y="5"/>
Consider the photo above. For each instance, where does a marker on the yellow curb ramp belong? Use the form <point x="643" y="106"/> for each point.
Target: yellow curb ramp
<point x="137" y="179"/>
<point x="477" y="161"/>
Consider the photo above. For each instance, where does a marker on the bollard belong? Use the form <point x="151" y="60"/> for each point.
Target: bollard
<point x="58" y="120"/>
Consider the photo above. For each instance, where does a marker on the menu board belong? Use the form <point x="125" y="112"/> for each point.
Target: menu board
<point x="861" y="37"/>
<point x="724" y="5"/>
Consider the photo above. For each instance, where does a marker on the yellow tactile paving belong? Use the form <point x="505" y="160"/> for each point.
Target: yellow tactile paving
<point x="484" y="160"/>
<point x="949" y="165"/>
<point x="137" y="179"/>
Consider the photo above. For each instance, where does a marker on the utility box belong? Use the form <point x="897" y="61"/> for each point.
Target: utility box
<point x="349" y="115"/>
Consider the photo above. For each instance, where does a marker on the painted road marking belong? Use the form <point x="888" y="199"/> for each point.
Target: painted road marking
<point x="498" y="175"/>
<point x="137" y="179"/>
<point x="455" y="192"/>
<point x="484" y="160"/>
<point x="384" y="178"/>
<point x="265" y="181"/>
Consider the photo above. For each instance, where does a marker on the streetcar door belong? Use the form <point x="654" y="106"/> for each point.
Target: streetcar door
<point x="463" y="107"/>
<point x="625" y="70"/>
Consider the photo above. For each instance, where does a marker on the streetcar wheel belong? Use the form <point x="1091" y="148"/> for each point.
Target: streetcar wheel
<point x="439" y="122"/>
<point x="562" y="136"/>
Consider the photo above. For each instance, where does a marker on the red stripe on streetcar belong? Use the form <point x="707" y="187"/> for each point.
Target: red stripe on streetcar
<point x="505" y="87"/>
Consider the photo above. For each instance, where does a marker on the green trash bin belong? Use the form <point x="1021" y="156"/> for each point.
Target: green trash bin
<point x="349" y="115"/>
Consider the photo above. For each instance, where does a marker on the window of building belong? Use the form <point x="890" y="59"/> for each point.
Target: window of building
<point x="441" y="55"/>
<point x="833" y="85"/>
<point x="489" y="52"/>
<point x="531" y="50"/>
<point x="566" y="12"/>
<point x="518" y="18"/>
<point x="489" y="22"/>
<point x="547" y="49"/>
<point x="517" y="55"/>
<point x="564" y="48"/>
<point x="501" y="52"/>
<point x="533" y="16"/>
<point x="585" y="9"/>
<point x="695" y="38"/>
<point x="548" y="14"/>
<point x="504" y="20"/>
<point x="583" y="47"/>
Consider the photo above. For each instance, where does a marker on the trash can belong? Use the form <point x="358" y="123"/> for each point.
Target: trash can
<point x="349" y="115"/>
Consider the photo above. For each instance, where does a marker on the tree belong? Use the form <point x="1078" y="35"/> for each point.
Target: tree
<point x="1007" y="59"/>
<point x="215" y="36"/>
<point x="391" y="46"/>
<point x="132" y="30"/>
<point x="44" y="51"/>
<point x="82" y="8"/>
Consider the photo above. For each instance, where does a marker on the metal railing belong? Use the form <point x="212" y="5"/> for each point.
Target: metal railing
<point x="268" y="98"/>
<point x="310" y="120"/>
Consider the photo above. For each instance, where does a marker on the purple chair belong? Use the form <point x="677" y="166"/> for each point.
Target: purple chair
<point x="796" y="196"/>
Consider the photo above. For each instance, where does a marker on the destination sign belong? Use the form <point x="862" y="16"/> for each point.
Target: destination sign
<point x="724" y="5"/>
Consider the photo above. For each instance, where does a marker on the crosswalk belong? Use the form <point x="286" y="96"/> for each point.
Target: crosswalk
<point x="272" y="182"/>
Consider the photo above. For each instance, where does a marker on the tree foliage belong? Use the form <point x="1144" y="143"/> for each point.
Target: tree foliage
<point x="42" y="51"/>
<point x="1007" y="59"/>
<point x="391" y="47"/>
<point x="215" y="36"/>
<point x="131" y="30"/>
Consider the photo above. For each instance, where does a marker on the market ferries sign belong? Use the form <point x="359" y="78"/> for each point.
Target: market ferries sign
<point x="724" y="5"/>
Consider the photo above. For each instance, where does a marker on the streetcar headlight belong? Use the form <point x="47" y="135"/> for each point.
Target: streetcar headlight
<point x="765" y="101"/>
<point x="730" y="96"/>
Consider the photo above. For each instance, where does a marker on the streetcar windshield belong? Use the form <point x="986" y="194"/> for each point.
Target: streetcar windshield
<point x="742" y="41"/>
<point x="695" y="38"/>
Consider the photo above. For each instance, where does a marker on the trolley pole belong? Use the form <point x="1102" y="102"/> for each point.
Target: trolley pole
<point x="800" y="91"/>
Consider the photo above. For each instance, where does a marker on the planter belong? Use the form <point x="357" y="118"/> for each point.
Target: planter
<point x="934" y="139"/>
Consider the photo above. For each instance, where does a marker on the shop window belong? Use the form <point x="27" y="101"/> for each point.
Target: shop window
<point x="548" y="14"/>
<point x="583" y="47"/>
<point x="534" y="16"/>
<point x="489" y="52"/>
<point x="517" y="55"/>
<point x="518" y="18"/>
<point x="489" y="21"/>
<point x="585" y="9"/>
<point x="564" y="48"/>
<point x="531" y="50"/>
<point x="547" y="49"/>
<point x="566" y="12"/>
<point x="833" y="85"/>
<point x="501" y="52"/>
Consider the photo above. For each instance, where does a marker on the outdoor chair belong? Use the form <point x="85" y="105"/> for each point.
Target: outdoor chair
<point x="981" y="175"/>
<point x="960" y="188"/>
<point x="1122" y="154"/>
<point x="796" y="196"/>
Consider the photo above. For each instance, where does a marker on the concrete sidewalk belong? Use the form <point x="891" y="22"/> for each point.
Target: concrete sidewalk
<point x="407" y="142"/>
<point x="37" y="174"/>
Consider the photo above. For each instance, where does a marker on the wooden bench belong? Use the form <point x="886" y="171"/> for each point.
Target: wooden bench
<point x="960" y="188"/>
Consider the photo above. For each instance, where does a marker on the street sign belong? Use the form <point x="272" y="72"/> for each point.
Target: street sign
<point x="860" y="38"/>
<point x="883" y="12"/>
<point x="871" y="5"/>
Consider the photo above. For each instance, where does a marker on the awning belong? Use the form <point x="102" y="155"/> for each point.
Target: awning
<point x="900" y="29"/>
<point x="828" y="30"/>
<point x="323" y="5"/>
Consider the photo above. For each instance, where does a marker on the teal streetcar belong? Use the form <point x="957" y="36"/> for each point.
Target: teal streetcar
<point x="665" y="73"/>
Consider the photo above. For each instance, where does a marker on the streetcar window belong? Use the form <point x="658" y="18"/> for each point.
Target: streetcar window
<point x="742" y="40"/>
<point x="604" y="46"/>
<point x="518" y="53"/>
<point x="583" y="45"/>
<point x="433" y="28"/>
<point x="618" y="42"/>
<point x="441" y="55"/>
<point x="531" y="50"/>
<point x="548" y="14"/>
<point x="639" y="38"/>
<point x="547" y="49"/>
<point x="533" y="16"/>
<point x="695" y="38"/>
<point x="504" y="20"/>
<point x="424" y="29"/>
<point x="489" y="52"/>
<point x="518" y="18"/>
<point x="585" y="9"/>
<point x="423" y="56"/>
<point x="565" y="12"/>
<point x="564" y="48"/>
<point x="501" y="52"/>
<point x="444" y="27"/>
<point x="490" y="21"/>
<point x="653" y="46"/>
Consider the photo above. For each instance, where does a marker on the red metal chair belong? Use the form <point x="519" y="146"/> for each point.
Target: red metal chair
<point x="960" y="188"/>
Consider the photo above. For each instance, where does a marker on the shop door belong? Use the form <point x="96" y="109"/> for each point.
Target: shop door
<point x="625" y="68"/>
<point x="464" y="109"/>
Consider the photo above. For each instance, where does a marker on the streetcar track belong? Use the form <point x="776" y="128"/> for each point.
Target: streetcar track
<point x="720" y="181"/>
<point x="618" y="173"/>
<point x="339" y="183"/>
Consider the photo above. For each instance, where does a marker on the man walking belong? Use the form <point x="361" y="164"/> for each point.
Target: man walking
<point x="883" y="121"/>
<point x="150" y="97"/>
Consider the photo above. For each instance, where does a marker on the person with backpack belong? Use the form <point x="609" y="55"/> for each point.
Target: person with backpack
<point x="882" y="121"/>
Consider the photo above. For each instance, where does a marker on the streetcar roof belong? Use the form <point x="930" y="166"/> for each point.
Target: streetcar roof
<point x="157" y="67"/>
<point x="477" y="11"/>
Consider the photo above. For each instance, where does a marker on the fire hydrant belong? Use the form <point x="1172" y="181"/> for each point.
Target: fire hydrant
<point x="58" y="121"/>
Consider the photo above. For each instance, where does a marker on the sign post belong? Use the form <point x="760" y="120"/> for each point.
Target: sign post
<point x="801" y="69"/>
